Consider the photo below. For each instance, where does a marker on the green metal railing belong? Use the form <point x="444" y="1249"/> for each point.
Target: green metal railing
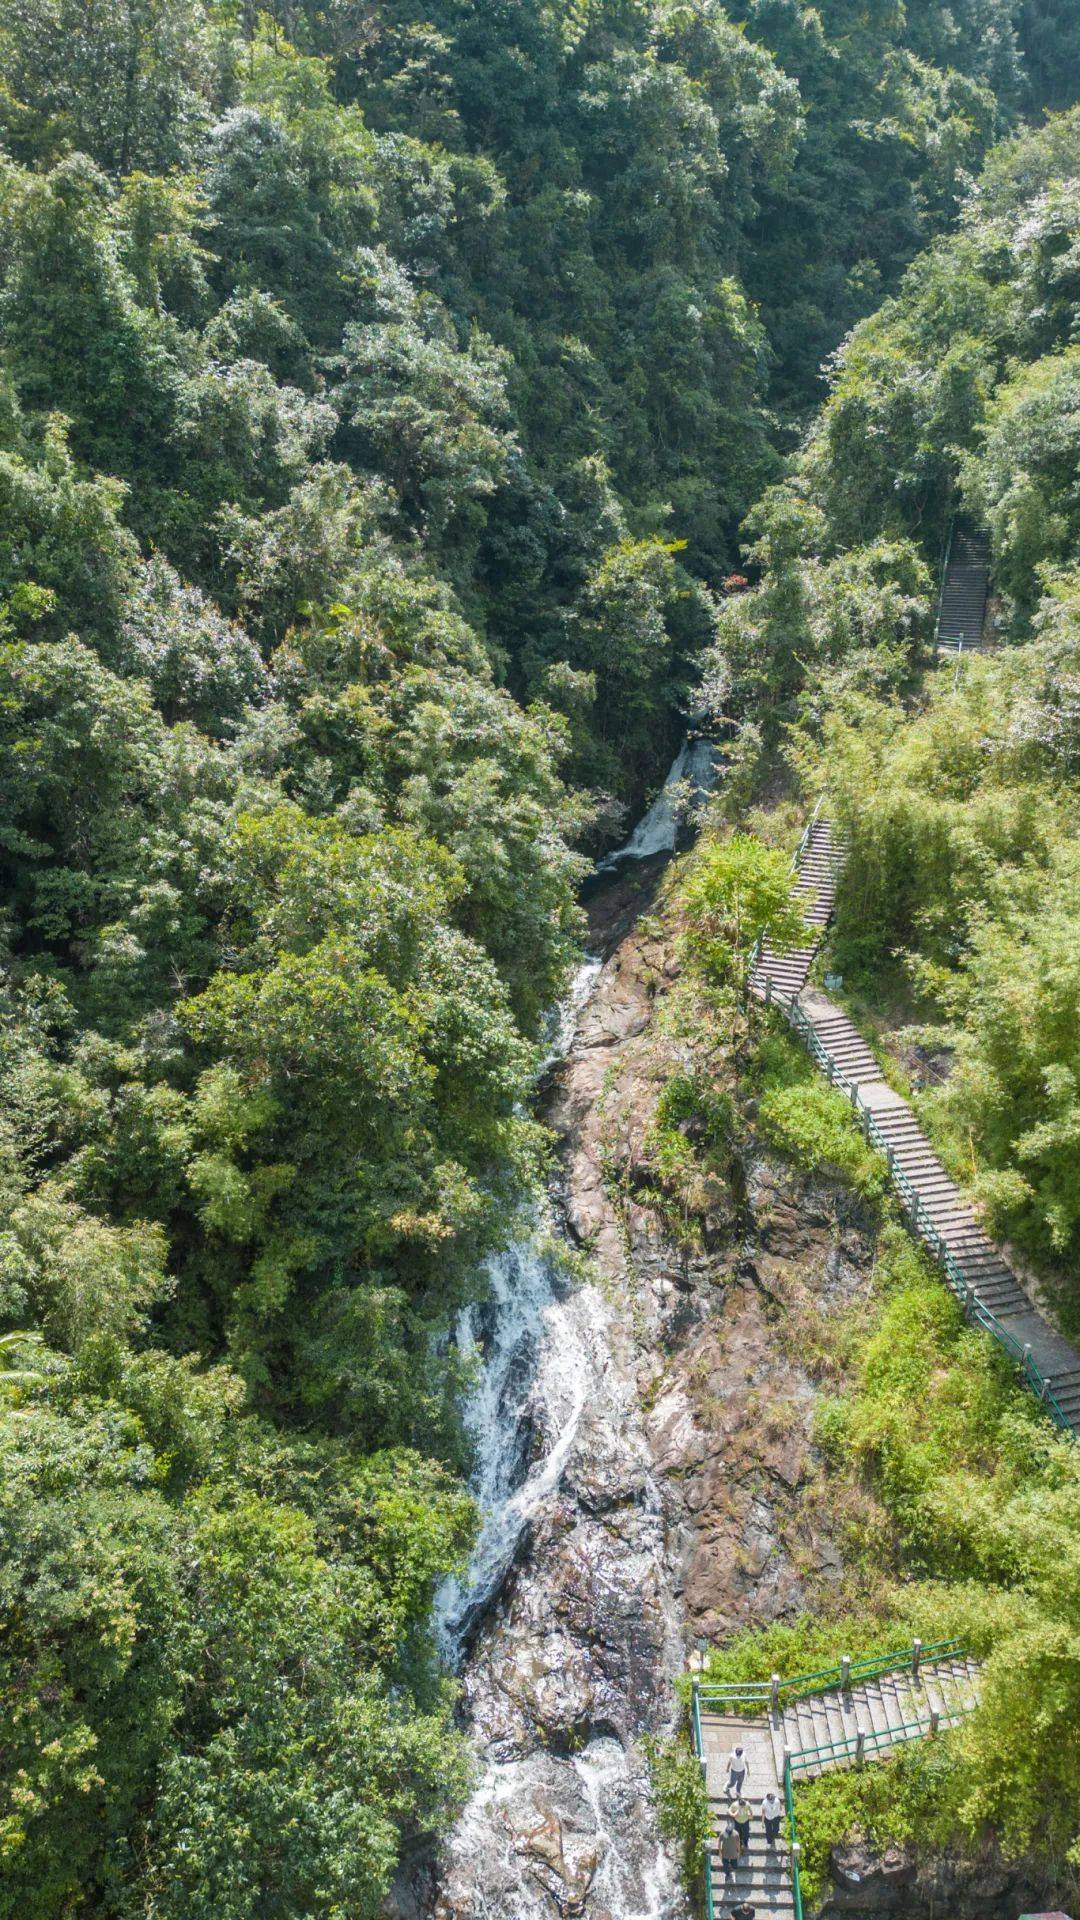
<point x="833" y="1753"/>
<point x="793" y="1840"/>
<point x="774" y="1692"/>
<point x="801" y="1686"/>
<point x="867" y="1740"/>
<point x="978" y="1314"/>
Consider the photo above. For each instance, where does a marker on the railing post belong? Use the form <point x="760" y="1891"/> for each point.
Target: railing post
<point x="1025" y="1358"/>
<point x="855" y="1095"/>
<point x="935" y="1720"/>
<point x="830" y="1071"/>
<point x="969" y="1299"/>
<point x="860" y="1744"/>
<point x="768" y="989"/>
<point x="916" y="1658"/>
<point x="774" y="1692"/>
<point x="1046" y="1385"/>
<point x="845" y="1674"/>
<point x="785" y="1756"/>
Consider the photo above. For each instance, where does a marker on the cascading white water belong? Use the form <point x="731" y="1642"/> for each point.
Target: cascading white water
<point x="558" y="1447"/>
<point x="503" y="1337"/>
<point x="692" y="776"/>
<point x="508" y="1335"/>
<point x="595" y="1867"/>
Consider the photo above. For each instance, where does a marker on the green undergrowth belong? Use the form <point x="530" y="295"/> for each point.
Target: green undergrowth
<point x="955" y="1505"/>
<point x="961" y="1505"/>
<point x="904" y="1801"/>
<point x="681" y="1799"/>
<point x="693" y="1125"/>
<point x="809" y="1121"/>
<point x="816" y="1642"/>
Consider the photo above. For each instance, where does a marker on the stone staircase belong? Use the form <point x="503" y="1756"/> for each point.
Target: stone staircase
<point x="806" y="1733"/>
<point x="817" y="864"/>
<point x="885" y="1712"/>
<point x="961" y="623"/>
<point x="763" y="1877"/>
<point x="937" y="1211"/>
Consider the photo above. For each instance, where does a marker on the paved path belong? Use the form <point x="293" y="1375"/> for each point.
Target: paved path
<point x="817" y="864"/>
<point x="840" y="1726"/>
<point x="937" y="1211"/>
<point x="961" y="621"/>
<point x="763" y="1876"/>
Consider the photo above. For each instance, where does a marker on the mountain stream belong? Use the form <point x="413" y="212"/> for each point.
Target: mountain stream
<point x="565" y="1629"/>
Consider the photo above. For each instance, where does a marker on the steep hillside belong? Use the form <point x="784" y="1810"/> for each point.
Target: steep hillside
<point x="383" y="390"/>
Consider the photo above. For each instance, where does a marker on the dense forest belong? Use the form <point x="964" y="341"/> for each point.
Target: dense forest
<point x="958" y="788"/>
<point x="958" y="791"/>
<point x="384" y="389"/>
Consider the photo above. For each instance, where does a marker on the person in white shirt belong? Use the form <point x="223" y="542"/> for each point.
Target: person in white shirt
<point x="772" y="1812"/>
<point x="738" y="1766"/>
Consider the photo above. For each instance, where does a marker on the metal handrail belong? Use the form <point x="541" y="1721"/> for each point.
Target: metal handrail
<point x="699" y="1749"/>
<point x="710" y="1910"/>
<point x="831" y="1750"/>
<point x="974" y="1308"/>
<point x="872" y="1737"/>
<point x="944" y="577"/>
<point x="695" y="1718"/>
<point x="793" y="1839"/>
<point x="802" y="1686"/>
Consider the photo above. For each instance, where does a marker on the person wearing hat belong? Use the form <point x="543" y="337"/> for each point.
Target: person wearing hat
<point x="772" y="1812"/>
<point x="738" y="1766"/>
<point x="730" y="1853"/>
<point x="741" y="1816"/>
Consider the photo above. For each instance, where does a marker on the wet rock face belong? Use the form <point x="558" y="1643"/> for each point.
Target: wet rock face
<point x="666" y="1492"/>
<point x="574" y="1664"/>
<point x="585" y="1637"/>
<point x="574" y="1660"/>
<point x="873" y="1885"/>
<point x="557" y="1837"/>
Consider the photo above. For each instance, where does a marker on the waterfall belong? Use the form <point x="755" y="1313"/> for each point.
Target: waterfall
<point x="564" y="1619"/>
<point x="503" y="1336"/>
<point x="518" y="1326"/>
<point x="691" y="778"/>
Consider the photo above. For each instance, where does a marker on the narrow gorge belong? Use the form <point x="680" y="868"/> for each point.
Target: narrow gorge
<point x="642" y="1447"/>
<point x="444" y="1311"/>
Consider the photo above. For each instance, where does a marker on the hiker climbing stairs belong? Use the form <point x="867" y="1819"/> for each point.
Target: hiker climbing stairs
<point x="796" y="1729"/>
<point x="975" y="1269"/>
<point x="961" y="622"/>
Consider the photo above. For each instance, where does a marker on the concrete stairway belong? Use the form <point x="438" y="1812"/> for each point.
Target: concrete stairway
<point x="886" y="1712"/>
<point x="961" y="621"/>
<point x="763" y="1877"/>
<point x="864" y="1721"/>
<point x="818" y="867"/>
<point x="937" y="1211"/>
